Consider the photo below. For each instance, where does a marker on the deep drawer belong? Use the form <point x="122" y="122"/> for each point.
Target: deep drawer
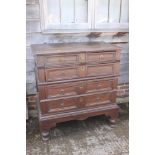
<point x="110" y="69"/>
<point x="76" y="88"/>
<point x="79" y="102"/>
<point x="75" y="72"/>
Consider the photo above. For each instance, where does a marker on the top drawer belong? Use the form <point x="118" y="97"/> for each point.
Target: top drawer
<point x="102" y="57"/>
<point x="78" y="58"/>
<point x="60" y="59"/>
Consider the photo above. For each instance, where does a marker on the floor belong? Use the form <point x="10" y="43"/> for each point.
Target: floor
<point x="94" y="136"/>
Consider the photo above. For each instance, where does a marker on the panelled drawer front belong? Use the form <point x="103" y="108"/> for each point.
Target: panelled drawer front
<point x="101" y="85"/>
<point x="66" y="73"/>
<point x="74" y="103"/>
<point x="81" y="71"/>
<point x="78" y="58"/>
<point x="101" y="57"/>
<point x="110" y="69"/>
<point x="76" y="88"/>
<point x="61" y="59"/>
<point x="59" y="105"/>
<point x="100" y="99"/>
<point x="61" y="73"/>
<point x="57" y="90"/>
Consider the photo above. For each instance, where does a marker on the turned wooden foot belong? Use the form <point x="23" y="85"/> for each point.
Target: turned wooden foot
<point x="112" y="117"/>
<point x="45" y="129"/>
<point x="112" y="120"/>
<point x="45" y="135"/>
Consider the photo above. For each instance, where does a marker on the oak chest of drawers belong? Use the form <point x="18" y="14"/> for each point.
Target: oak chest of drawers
<point x="75" y="81"/>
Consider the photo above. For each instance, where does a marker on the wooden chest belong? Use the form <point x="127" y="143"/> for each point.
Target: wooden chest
<point x="75" y="81"/>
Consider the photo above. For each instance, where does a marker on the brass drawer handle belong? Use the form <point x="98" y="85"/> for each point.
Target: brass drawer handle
<point x="62" y="91"/>
<point x="63" y="73"/>
<point x="81" y="86"/>
<point x="62" y="103"/>
<point x="99" y="85"/>
<point x="98" y="98"/>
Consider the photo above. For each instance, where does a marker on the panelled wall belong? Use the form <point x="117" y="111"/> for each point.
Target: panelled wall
<point x="35" y="36"/>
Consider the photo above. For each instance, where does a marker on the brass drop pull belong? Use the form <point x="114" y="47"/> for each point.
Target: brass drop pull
<point x="63" y="73"/>
<point x="62" y="91"/>
<point x="98" y="98"/>
<point x="99" y="85"/>
<point x="62" y="103"/>
<point x="81" y="87"/>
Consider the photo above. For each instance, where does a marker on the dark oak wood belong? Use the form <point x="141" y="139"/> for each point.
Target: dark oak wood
<point x="75" y="72"/>
<point x="75" y="81"/>
<point x="49" y="91"/>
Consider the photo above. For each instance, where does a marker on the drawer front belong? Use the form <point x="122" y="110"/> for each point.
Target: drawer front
<point x="76" y="88"/>
<point x="61" y="74"/>
<point x="62" y="59"/>
<point x="75" y="72"/>
<point x="110" y="69"/>
<point x="101" y="57"/>
<point x="57" y="90"/>
<point x="101" y="85"/>
<point x="78" y="58"/>
<point x="76" y="103"/>
<point x="100" y="99"/>
<point x="59" y="105"/>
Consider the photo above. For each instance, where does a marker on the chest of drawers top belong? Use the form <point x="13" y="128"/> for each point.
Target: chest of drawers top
<point x="59" y="48"/>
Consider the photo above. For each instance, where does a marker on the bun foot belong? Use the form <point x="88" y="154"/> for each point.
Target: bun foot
<point x="45" y="135"/>
<point x="112" y="121"/>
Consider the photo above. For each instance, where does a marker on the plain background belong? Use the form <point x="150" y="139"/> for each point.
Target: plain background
<point x="13" y="77"/>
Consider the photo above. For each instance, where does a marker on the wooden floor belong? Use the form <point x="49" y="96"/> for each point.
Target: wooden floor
<point x="93" y="136"/>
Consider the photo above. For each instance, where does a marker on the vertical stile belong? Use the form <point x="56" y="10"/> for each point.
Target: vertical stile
<point x="101" y="11"/>
<point x="81" y="11"/>
<point x="114" y="11"/>
<point x="124" y="11"/>
<point x="120" y="14"/>
<point x="67" y="11"/>
<point x="60" y="9"/>
<point x="108" y="10"/>
<point x="93" y="14"/>
<point x="74" y="13"/>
